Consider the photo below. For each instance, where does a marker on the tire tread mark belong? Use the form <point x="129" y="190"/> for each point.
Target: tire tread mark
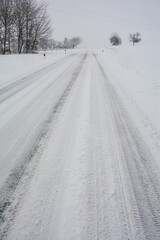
<point x="138" y="168"/>
<point x="8" y="191"/>
<point x="24" y="82"/>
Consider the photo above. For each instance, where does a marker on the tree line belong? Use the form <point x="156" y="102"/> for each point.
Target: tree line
<point x="51" y="44"/>
<point x="23" y="23"/>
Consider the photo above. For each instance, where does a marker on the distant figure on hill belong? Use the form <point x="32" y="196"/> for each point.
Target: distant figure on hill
<point x="102" y="51"/>
<point x="44" y="55"/>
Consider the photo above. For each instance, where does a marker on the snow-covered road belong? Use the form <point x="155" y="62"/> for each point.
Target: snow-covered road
<point x="74" y="162"/>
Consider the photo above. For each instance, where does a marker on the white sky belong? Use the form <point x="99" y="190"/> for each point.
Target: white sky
<point x="95" y="20"/>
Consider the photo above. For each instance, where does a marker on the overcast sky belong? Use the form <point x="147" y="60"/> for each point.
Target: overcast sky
<point x="95" y="20"/>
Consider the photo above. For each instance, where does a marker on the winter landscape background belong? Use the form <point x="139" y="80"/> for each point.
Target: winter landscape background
<point x="79" y="107"/>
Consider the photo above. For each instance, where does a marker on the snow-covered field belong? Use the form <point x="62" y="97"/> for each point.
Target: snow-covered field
<point x="80" y="144"/>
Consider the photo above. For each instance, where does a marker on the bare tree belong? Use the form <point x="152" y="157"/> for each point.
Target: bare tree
<point x="6" y="22"/>
<point x="75" y="41"/>
<point x="66" y="43"/>
<point x="23" y="23"/>
<point x="134" y="38"/>
<point x="30" y="11"/>
<point x="60" y="45"/>
<point x="115" y="39"/>
<point x="43" y="44"/>
<point x="71" y="43"/>
<point x="51" y="43"/>
<point x="19" y="23"/>
<point x="41" y="25"/>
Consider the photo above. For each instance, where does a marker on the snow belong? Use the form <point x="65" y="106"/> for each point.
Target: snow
<point x="17" y="66"/>
<point x="17" y="110"/>
<point x="135" y="74"/>
<point x="136" y="69"/>
<point x="79" y="156"/>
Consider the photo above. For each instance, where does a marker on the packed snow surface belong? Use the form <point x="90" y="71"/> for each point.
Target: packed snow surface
<point x="80" y="145"/>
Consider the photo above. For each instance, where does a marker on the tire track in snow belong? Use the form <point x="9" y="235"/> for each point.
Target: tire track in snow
<point x="136" y="175"/>
<point x="99" y="171"/>
<point x="103" y="216"/>
<point x="27" y="110"/>
<point x="24" y="82"/>
<point x="9" y="191"/>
